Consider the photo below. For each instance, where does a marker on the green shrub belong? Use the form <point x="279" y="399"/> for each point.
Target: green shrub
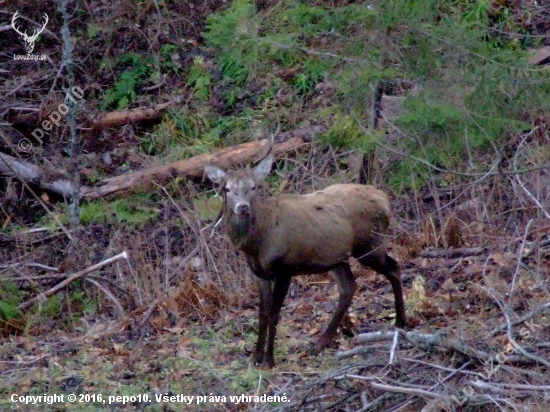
<point x="9" y="300"/>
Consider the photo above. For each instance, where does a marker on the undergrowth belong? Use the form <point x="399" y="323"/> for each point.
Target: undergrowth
<point x="471" y="83"/>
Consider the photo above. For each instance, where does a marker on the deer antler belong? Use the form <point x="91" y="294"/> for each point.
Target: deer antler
<point x="270" y="140"/>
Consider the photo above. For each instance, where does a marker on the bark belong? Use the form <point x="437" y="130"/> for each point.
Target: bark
<point x="193" y="167"/>
<point x="56" y="180"/>
<point x="46" y="178"/>
<point x="115" y="119"/>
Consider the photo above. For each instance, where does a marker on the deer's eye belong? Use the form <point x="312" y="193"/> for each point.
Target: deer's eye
<point x="253" y="188"/>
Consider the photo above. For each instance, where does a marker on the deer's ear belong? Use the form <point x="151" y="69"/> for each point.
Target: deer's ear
<point x="214" y="173"/>
<point x="263" y="168"/>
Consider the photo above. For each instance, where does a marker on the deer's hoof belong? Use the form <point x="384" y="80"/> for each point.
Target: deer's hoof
<point x="268" y="362"/>
<point x="257" y="358"/>
<point x="261" y="359"/>
<point x="320" y="345"/>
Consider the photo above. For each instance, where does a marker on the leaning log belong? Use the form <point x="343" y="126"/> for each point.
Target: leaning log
<point x="57" y="180"/>
<point x="193" y="167"/>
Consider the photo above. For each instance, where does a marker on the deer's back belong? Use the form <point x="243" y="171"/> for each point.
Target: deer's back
<point x="315" y="232"/>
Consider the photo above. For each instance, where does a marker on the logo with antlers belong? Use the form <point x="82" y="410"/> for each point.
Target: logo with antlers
<point x="29" y="40"/>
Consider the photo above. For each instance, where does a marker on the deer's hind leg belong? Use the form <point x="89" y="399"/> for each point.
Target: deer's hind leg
<point x="384" y="264"/>
<point x="346" y="287"/>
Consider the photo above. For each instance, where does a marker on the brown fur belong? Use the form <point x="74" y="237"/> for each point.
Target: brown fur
<point x="315" y="232"/>
<point x="286" y="235"/>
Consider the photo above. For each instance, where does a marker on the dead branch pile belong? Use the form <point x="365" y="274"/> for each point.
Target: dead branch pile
<point x="498" y="363"/>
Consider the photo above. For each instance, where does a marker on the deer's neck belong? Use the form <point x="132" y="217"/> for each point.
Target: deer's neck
<point x="244" y="231"/>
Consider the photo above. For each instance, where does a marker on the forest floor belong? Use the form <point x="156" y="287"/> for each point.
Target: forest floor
<point x="173" y="325"/>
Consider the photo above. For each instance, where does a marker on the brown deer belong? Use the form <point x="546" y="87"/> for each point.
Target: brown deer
<point x="286" y="235"/>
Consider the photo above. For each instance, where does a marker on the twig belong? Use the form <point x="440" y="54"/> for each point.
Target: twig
<point x="436" y="339"/>
<point x="67" y="48"/>
<point x="527" y="192"/>
<point x="147" y="314"/>
<point x="516" y="345"/>
<point x="393" y="347"/>
<point x="38" y="277"/>
<point x="108" y="293"/>
<point x="375" y="404"/>
<point x="452" y="252"/>
<point x="71" y="278"/>
<point x="409" y="391"/>
<point x="514" y="386"/>
<point x="374" y="337"/>
<point x="18" y="170"/>
<point x="433" y="365"/>
<point x="520" y="254"/>
<point x="37" y="265"/>
<point x="359" y="350"/>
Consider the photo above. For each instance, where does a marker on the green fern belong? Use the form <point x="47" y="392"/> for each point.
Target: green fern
<point x="124" y="90"/>
<point x="199" y="79"/>
<point x="167" y="61"/>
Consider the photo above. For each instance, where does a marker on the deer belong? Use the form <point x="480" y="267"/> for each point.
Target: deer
<point x="288" y="234"/>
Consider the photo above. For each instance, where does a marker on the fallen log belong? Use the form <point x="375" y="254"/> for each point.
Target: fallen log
<point x="106" y="120"/>
<point x="193" y="167"/>
<point x="120" y="118"/>
<point x="57" y="181"/>
<point x="51" y="180"/>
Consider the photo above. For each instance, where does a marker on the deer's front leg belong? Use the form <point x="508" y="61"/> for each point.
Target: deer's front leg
<point x="279" y="292"/>
<point x="266" y="298"/>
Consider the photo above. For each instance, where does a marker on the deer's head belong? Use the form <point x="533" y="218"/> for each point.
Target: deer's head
<point x="239" y="186"/>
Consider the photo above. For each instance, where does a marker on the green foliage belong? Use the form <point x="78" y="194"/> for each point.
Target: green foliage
<point x="426" y="114"/>
<point x="167" y="57"/>
<point x="9" y="299"/>
<point x="89" y="306"/>
<point x="199" y="79"/>
<point x="123" y="91"/>
<point x="207" y="208"/>
<point x="311" y="20"/>
<point x="243" y="53"/>
<point x="127" y="211"/>
<point x="93" y="31"/>
<point x="188" y="133"/>
<point x="94" y="212"/>
<point x="473" y="84"/>
<point x="118" y="211"/>
<point x="233" y="31"/>
<point x="313" y="70"/>
<point x="478" y="11"/>
<point x="53" y="305"/>
<point x="346" y="132"/>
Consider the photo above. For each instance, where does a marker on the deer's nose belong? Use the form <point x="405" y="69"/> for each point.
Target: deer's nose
<point x="241" y="208"/>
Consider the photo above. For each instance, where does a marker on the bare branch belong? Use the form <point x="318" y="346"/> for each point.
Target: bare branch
<point x="409" y="391"/>
<point x="71" y="278"/>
